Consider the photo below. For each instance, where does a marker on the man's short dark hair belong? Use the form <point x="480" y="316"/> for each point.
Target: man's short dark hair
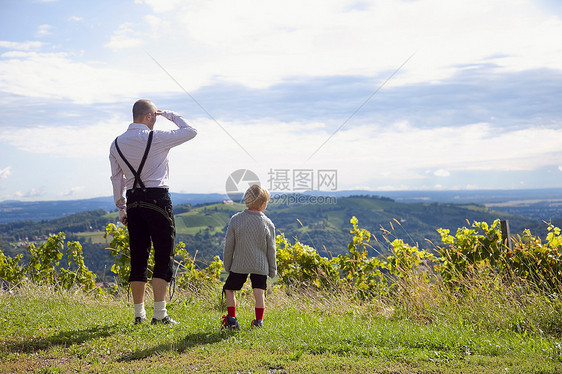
<point x="142" y="107"/>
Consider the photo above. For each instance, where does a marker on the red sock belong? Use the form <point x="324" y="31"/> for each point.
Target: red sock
<point x="231" y="311"/>
<point x="259" y="313"/>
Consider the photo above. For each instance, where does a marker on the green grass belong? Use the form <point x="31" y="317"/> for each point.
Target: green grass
<point x="45" y="331"/>
<point x="198" y="219"/>
<point x="96" y="237"/>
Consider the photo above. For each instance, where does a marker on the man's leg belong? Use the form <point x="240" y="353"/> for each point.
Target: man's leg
<point x="162" y="232"/>
<point x="138" y="289"/>
<point x="139" y="242"/>
<point x="159" y="287"/>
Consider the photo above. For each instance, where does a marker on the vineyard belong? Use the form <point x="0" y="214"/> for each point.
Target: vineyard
<point x="473" y="255"/>
<point x="472" y="301"/>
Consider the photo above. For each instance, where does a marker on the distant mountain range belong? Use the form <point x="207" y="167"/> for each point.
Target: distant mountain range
<point x="540" y="204"/>
<point x="36" y="211"/>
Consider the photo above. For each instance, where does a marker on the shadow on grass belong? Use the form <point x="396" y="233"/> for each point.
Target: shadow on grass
<point x="64" y="338"/>
<point x="190" y="341"/>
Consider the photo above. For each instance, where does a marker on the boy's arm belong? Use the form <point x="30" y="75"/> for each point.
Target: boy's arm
<point x="272" y="253"/>
<point x="228" y="247"/>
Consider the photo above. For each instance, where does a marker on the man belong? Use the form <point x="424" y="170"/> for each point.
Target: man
<point x="139" y="174"/>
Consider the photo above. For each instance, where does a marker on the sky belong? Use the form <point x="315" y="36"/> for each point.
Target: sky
<point x="381" y="95"/>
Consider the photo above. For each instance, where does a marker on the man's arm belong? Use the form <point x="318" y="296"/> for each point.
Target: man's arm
<point x="118" y="181"/>
<point x="181" y="135"/>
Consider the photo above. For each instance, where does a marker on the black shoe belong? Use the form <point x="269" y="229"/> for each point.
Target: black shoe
<point x="256" y="323"/>
<point x="139" y="320"/>
<point x="229" y="322"/>
<point x="166" y="321"/>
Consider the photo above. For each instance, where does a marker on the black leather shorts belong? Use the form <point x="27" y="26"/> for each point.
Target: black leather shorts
<point x="151" y="224"/>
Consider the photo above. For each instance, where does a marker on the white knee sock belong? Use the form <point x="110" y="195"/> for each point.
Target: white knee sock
<point x="139" y="310"/>
<point x="160" y="310"/>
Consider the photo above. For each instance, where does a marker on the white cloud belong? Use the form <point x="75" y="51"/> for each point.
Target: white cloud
<point x="73" y="191"/>
<point x="65" y="141"/>
<point x="259" y="44"/>
<point x="441" y="173"/>
<point x="367" y="155"/>
<point x="5" y="173"/>
<point x="21" y="46"/>
<point x="43" y="30"/>
<point x="161" y="6"/>
<point x="59" y="76"/>
<point x="158" y="26"/>
<point x="75" y="19"/>
<point x="30" y="194"/>
<point x="382" y="157"/>
<point x="124" y="37"/>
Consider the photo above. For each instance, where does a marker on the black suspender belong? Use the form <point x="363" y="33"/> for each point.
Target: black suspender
<point x="137" y="173"/>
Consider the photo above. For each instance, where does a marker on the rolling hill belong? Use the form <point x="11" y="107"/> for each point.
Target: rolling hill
<point x="323" y="226"/>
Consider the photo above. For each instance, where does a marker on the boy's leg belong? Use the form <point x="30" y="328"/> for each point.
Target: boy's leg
<point x="233" y="283"/>
<point x="229" y="321"/>
<point x="259" y="285"/>
<point x="259" y="295"/>
<point x="230" y="302"/>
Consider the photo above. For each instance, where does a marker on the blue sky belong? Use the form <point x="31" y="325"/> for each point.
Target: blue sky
<point x="477" y="106"/>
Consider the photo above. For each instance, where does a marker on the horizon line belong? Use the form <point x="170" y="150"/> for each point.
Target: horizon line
<point x="314" y="192"/>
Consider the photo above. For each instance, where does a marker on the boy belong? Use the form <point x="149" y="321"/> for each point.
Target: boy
<point x="249" y="249"/>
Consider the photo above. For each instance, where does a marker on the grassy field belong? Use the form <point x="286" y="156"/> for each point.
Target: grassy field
<point x="45" y="331"/>
<point x="96" y="237"/>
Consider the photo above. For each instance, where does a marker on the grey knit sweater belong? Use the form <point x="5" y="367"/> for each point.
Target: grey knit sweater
<point x="250" y="244"/>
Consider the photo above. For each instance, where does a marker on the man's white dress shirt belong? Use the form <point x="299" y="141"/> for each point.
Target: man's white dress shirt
<point x="132" y="144"/>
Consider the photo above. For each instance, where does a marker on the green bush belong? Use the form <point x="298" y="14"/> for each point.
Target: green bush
<point x="300" y="265"/>
<point x="187" y="275"/>
<point x="474" y="252"/>
<point x="481" y="250"/>
<point x="44" y="267"/>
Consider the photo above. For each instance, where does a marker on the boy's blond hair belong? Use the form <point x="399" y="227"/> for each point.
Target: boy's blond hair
<point x="256" y="196"/>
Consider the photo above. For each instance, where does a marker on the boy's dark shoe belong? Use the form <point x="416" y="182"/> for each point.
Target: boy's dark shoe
<point x="139" y="320"/>
<point x="229" y="322"/>
<point x="166" y="321"/>
<point x="256" y="323"/>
